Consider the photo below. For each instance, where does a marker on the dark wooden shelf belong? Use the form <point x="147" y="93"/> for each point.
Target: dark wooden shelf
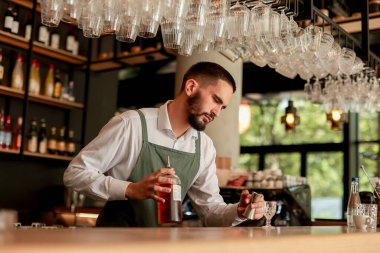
<point x="8" y="91"/>
<point x="130" y="59"/>
<point x="26" y="3"/>
<point x="11" y="92"/>
<point x="353" y="24"/>
<point x="9" y="151"/>
<point x="55" y="102"/>
<point x="39" y="48"/>
<point x="48" y="156"/>
<point x="58" y="54"/>
<point x="14" y="40"/>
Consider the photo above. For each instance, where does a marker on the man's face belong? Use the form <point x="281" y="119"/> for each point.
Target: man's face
<point x="206" y="103"/>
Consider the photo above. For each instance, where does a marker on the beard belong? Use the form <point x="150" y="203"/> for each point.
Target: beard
<point x="194" y="113"/>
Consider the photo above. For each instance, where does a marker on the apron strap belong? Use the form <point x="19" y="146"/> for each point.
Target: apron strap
<point x="143" y="126"/>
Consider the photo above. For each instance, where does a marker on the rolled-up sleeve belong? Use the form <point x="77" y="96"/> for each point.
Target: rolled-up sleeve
<point x="205" y="196"/>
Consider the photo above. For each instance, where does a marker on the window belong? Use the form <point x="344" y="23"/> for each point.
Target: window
<point x="325" y="177"/>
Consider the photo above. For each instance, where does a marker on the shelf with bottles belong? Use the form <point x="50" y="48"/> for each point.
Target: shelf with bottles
<point x="350" y="24"/>
<point x="48" y="156"/>
<point x="54" y="91"/>
<point x="9" y="151"/>
<point x="26" y="4"/>
<point x="40" y="48"/>
<point x="140" y="52"/>
<point x="58" y="145"/>
<point x="12" y="92"/>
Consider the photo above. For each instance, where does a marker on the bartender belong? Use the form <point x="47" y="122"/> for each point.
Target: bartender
<point x="124" y="164"/>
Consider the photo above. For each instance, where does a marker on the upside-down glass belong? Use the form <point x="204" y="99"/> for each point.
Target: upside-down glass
<point x="71" y="10"/>
<point x="151" y="14"/>
<point x="269" y="211"/>
<point x="111" y="17"/>
<point x="51" y="12"/>
<point x="128" y="28"/>
<point x="240" y="17"/>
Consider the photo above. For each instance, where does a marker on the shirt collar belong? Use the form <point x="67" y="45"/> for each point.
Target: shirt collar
<point x="163" y="122"/>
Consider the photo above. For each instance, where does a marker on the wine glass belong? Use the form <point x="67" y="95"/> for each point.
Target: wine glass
<point x="269" y="211"/>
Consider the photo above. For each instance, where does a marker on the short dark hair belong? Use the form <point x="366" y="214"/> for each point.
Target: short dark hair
<point x="208" y="70"/>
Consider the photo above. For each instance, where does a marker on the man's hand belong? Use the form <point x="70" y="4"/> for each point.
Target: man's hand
<point x="245" y="200"/>
<point x="148" y="186"/>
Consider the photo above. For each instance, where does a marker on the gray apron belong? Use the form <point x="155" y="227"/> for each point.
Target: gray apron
<point x="143" y="213"/>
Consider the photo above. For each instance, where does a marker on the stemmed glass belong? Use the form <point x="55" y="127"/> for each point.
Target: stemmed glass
<point x="269" y="211"/>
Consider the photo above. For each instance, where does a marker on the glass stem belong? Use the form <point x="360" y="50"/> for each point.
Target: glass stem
<point x="267" y="222"/>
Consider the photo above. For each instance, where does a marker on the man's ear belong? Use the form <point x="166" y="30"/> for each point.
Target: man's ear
<point x="191" y="87"/>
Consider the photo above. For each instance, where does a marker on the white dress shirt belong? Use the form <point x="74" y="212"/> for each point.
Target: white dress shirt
<point x="102" y="168"/>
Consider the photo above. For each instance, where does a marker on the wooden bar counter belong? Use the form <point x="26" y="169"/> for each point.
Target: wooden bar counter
<point x="174" y="240"/>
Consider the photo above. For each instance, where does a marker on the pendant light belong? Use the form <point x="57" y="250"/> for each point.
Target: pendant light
<point x="244" y="116"/>
<point x="290" y="119"/>
<point x="336" y="117"/>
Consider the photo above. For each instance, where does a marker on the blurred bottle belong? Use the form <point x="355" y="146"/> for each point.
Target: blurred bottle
<point x="61" y="144"/>
<point x="52" y="142"/>
<point x="71" y="96"/>
<point x="70" y="41"/>
<point x="8" y="18"/>
<point x="70" y="145"/>
<point x="18" y="75"/>
<point x="38" y="78"/>
<point x="2" y="130"/>
<point x="28" y="27"/>
<point x="16" y="22"/>
<point x="353" y="201"/>
<point x="49" y="82"/>
<point x="42" y="138"/>
<point x="32" y="137"/>
<point x="7" y="133"/>
<point x="33" y="78"/>
<point x="57" y="85"/>
<point x="1" y="67"/>
<point x="65" y="88"/>
<point x="55" y="39"/>
<point x="43" y="35"/>
<point x="17" y="134"/>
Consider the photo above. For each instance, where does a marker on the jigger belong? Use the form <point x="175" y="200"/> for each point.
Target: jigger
<point x="250" y="212"/>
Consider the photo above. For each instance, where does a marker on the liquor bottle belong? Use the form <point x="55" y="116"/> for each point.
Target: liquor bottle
<point x="170" y="212"/>
<point x="16" y="22"/>
<point x="38" y="77"/>
<point x="353" y="201"/>
<point x="42" y="138"/>
<point x="71" y="96"/>
<point x="52" y="142"/>
<point x="17" y="134"/>
<point x="1" y="67"/>
<point x="28" y="28"/>
<point x="70" y="145"/>
<point x="7" y="133"/>
<point x="49" y="82"/>
<point x="54" y="40"/>
<point x="18" y="75"/>
<point x="8" y="20"/>
<point x="32" y="137"/>
<point x="61" y="144"/>
<point x="70" y="41"/>
<point x="2" y="130"/>
<point x="32" y="77"/>
<point x="57" y="85"/>
<point x="43" y="35"/>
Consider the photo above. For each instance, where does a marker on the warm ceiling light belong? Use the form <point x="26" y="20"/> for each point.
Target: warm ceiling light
<point x="290" y="119"/>
<point x="337" y="118"/>
<point x="244" y="117"/>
